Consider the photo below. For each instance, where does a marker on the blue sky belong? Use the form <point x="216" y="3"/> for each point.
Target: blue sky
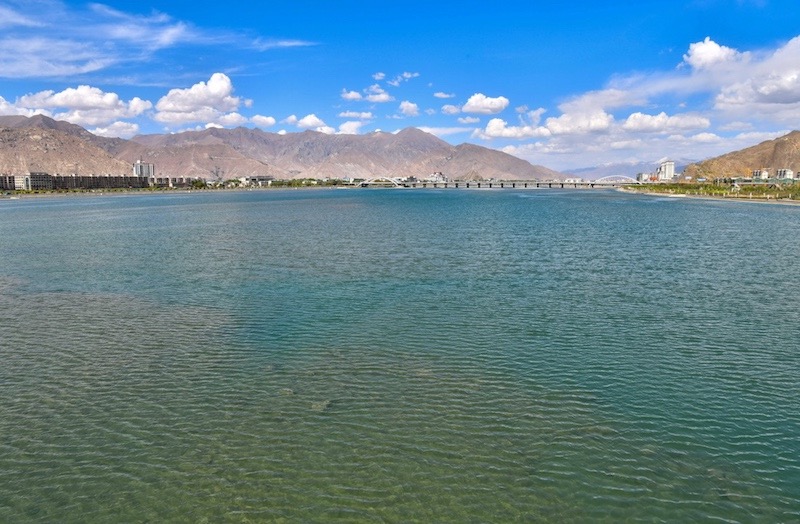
<point x="565" y="86"/>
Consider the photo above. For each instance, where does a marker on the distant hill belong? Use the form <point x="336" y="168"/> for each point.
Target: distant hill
<point x="630" y="169"/>
<point x="25" y="149"/>
<point x="238" y="152"/>
<point x="780" y="153"/>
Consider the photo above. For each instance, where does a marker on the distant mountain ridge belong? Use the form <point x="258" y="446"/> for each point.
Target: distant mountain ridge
<point x="233" y="153"/>
<point x="780" y="153"/>
<point x="630" y="169"/>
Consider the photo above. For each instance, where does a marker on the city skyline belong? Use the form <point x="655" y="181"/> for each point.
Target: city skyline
<point x="560" y="86"/>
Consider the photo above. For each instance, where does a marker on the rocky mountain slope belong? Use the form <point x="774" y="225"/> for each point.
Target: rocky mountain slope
<point x="780" y="153"/>
<point x="27" y="149"/>
<point x="231" y="153"/>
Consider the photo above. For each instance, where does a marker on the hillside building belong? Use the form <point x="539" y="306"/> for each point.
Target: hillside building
<point x="785" y="174"/>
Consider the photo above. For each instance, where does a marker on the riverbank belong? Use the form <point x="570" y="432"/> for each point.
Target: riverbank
<point x="758" y="194"/>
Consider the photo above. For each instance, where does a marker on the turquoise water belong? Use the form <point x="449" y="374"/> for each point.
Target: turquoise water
<point x="399" y="355"/>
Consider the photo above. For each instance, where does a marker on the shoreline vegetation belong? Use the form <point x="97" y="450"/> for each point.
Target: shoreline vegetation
<point x="774" y="193"/>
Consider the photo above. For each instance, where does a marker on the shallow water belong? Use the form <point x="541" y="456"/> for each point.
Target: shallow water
<point x="396" y="355"/>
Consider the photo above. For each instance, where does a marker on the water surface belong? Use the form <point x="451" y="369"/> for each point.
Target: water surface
<point x="398" y="355"/>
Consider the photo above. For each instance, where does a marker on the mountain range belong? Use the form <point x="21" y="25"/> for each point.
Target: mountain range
<point x="780" y="153"/>
<point x="42" y="144"/>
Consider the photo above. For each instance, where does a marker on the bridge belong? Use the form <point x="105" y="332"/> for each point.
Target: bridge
<point x="381" y="181"/>
<point x="603" y="183"/>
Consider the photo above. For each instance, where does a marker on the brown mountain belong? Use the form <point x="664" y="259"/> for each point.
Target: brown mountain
<point x="781" y="153"/>
<point x="231" y="153"/>
<point x="26" y="149"/>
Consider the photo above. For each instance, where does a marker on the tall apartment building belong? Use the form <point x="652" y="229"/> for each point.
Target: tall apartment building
<point x="144" y="170"/>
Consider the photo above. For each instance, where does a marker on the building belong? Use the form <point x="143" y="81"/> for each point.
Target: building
<point x="760" y="174"/>
<point x="785" y="174"/>
<point x="665" y="171"/>
<point x="257" y="180"/>
<point x="143" y="169"/>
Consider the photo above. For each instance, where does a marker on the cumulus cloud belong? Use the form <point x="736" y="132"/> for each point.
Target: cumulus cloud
<point x="707" y="54"/>
<point x="580" y="123"/>
<point x="482" y="104"/>
<point x="263" y="121"/>
<point x="204" y="101"/>
<point x="351" y="95"/>
<point x="310" y="121"/>
<point x="661" y="123"/>
<point x="350" y="127"/>
<point x="450" y="109"/>
<point x="83" y="105"/>
<point x="231" y="119"/>
<point x="379" y="76"/>
<point x="377" y="94"/>
<point x="409" y="108"/>
<point x="499" y="128"/>
<point x="117" y="130"/>
<point x="441" y="94"/>
<point x="469" y="120"/>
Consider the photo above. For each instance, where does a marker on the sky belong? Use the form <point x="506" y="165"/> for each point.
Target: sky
<point x="566" y="85"/>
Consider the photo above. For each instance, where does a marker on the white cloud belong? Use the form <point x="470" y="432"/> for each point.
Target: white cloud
<point x="310" y="121"/>
<point x="266" y="44"/>
<point x="499" y="128"/>
<point x="84" y="105"/>
<point x="404" y="77"/>
<point x="263" y="121"/>
<point x="11" y="18"/>
<point x="201" y="102"/>
<point x="469" y="120"/>
<point x="440" y="94"/>
<point x="450" y="109"/>
<point x="50" y="57"/>
<point x="579" y="123"/>
<point x="350" y="127"/>
<point x="231" y="119"/>
<point x="365" y="115"/>
<point x="377" y="94"/>
<point x="707" y="54"/>
<point x="409" y="108"/>
<point x="379" y="76"/>
<point x="117" y="129"/>
<point x="603" y="99"/>
<point x="351" y="95"/>
<point x="445" y="131"/>
<point x="705" y="137"/>
<point x="661" y="123"/>
<point x="482" y="104"/>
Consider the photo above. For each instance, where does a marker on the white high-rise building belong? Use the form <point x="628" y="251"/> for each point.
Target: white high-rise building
<point x="666" y="171"/>
<point x="144" y="170"/>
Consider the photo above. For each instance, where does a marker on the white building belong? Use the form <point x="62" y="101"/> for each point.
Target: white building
<point x="666" y="171"/>
<point x="760" y="174"/>
<point x="144" y="170"/>
<point x="785" y="174"/>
